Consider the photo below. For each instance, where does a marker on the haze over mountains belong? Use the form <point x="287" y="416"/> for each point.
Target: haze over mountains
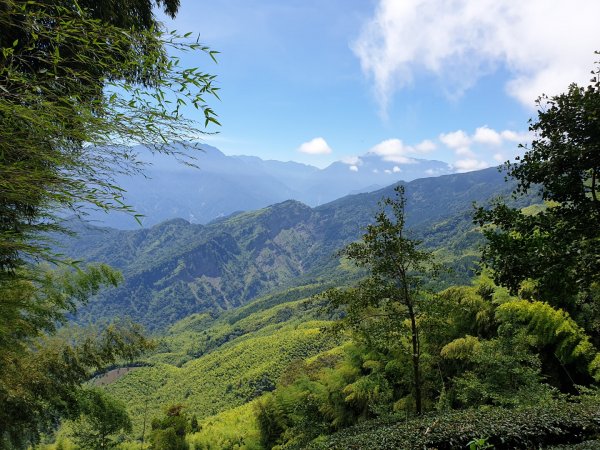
<point x="177" y="268"/>
<point x="226" y="184"/>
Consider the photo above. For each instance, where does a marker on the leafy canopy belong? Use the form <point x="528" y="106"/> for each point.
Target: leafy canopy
<point x="384" y="310"/>
<point x="79" y="83"/>
<point x="556" y="249"/>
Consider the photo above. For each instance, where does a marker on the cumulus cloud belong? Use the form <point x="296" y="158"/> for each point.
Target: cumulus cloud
<point x="472" y="150"/>
<point x="513" y="136"/>
<point x="483" y="138"/>
<point x="389" y="147"/>
<point x="467" y="165"/>
<point x="394" y="150"/>
<point x="317" y="146"/>
<point x="484" y="147"/>
<point x="543" y="44"/>
<point x="425" y="146"/>
<point x="456" y="139"/>
<point x="485" y="135"/>
<point x="354" y="168"/>
<point x="352" y="160"/>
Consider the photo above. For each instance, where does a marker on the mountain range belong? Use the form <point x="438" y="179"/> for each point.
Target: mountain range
<point x="178" y="268"/>
<point x="222" y="185"/>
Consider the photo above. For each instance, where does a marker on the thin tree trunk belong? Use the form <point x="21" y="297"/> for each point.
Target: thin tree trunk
<point x="415" y="360"/>
<point x="594" y="197"/>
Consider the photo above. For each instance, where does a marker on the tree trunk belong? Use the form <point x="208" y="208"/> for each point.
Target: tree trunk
<point x="415" y="358"/>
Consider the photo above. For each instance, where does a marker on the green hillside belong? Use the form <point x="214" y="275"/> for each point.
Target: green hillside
<point x="271" y="373"/>
<point x="213" y="364"/>
<point x="176" y="269"/>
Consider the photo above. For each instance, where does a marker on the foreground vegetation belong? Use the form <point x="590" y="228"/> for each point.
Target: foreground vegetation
<point x="79" y="80"/>
<point x="509" y="361"/>
<point x="386" y="361"/>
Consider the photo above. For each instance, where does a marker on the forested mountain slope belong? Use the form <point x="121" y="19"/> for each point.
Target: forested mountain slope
<point x="214" y="363"/>
<point x="176" y="268"/>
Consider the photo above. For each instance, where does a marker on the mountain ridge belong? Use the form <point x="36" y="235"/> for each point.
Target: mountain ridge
<point x="177" y="268"/>
<point x="221" y="185"/>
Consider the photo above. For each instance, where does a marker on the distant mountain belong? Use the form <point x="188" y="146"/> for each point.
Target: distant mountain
<point x="340" y="179"/>
<point x="224" y="184"/>
<point x="177" y="268"/>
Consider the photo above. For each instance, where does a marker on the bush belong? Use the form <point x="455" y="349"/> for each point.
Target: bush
<point x="554" y="423"/>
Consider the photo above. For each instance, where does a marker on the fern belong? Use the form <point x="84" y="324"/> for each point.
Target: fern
<point x="552" y="327"/>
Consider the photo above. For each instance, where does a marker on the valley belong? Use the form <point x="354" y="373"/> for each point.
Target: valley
<point x="339" y="225"/>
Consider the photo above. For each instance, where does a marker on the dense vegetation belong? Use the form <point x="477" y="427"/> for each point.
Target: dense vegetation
<point x="175" y="269"/>
<point x="509" y="362"/>
<point x="78" y="80"/>
<point x="521" y="353"/>
<point x="373" y="347"/>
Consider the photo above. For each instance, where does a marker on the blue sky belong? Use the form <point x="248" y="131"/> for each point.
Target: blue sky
<point x="317" y="81"/>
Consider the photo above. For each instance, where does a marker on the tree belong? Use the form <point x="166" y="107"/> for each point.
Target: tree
<point x="556" y="251"/>
<point x="79" y="83"/>
<point x="101" y="418"/>
<point x="381" y="308"/>
<point x="41" y="372"/>
<point x="41" y="386"/>
<point x="168" y="433"/>
<point x="194" y="426"/>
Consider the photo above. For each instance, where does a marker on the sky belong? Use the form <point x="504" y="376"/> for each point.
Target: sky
<point x="316" y="81"/>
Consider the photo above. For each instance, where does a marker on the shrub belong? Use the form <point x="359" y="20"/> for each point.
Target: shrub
<point x="554" y="423"/>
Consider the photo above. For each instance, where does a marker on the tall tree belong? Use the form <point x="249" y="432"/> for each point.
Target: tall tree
<point x="42" y="371"/>
<point x="80" y="81"/>
<point x="380" y="306"/>
<point x="555" y="251"/>
<point x="168" y="433"/>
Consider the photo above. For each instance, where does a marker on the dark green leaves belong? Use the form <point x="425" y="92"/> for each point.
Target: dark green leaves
<point x="558" y="247"/>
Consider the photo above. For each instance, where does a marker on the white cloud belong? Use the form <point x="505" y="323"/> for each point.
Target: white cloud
<point x="467" y="165"/>
<point x="354" y="168"/>
<point x="544" y="45"/>
<point x="513" y="136"/>
<point x="399" y="159"/>
<point x="485" y="135"/>
<point x="394" y="150"/>
<point x="397" y="169"/>
<point x="387" y="171"/>
<point x="352" y="160"/>
<point x="484" y="148"/>
<point x="317" y="146"/>
<point x="456" y="139"/>
<point x="465" y="151"/>
<point x="483" y="142"/>
<point x="425" y="146"/>
<point x="390" y="147"/>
